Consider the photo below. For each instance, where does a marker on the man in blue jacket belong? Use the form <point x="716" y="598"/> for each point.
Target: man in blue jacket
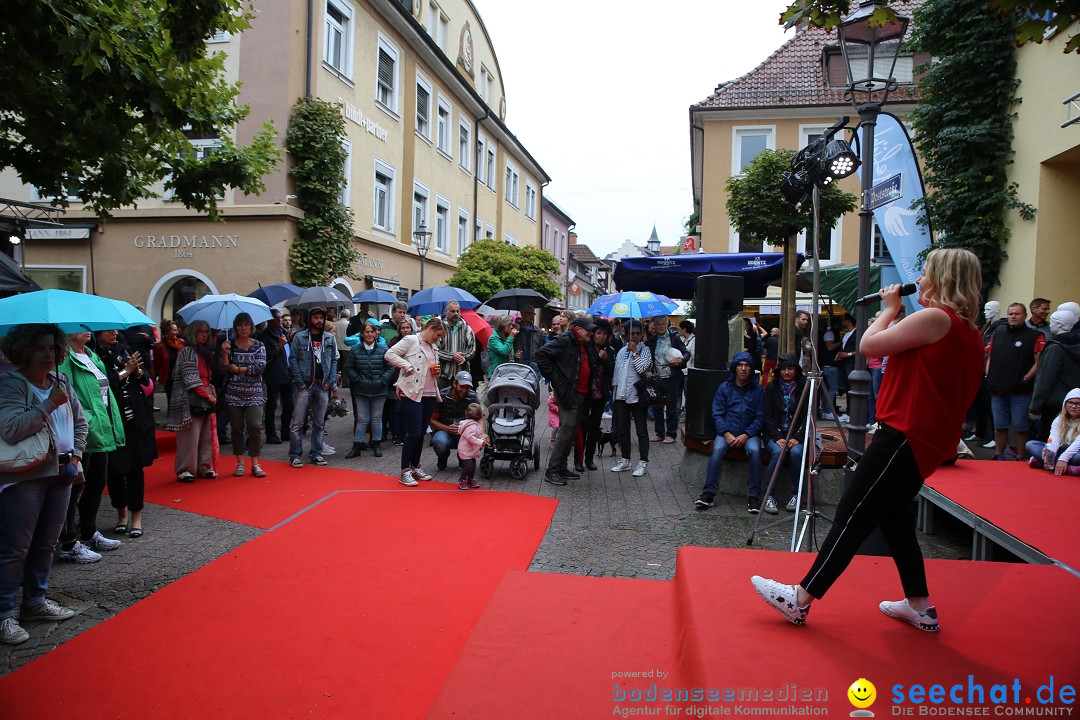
<point x="738" y="411"/>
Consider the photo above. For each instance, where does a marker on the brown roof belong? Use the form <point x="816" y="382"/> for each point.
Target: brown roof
<point x="583" y="254"/>
<point x="793" y="76"/>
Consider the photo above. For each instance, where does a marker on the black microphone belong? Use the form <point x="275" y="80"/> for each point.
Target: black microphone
<point x="905" y="289"/>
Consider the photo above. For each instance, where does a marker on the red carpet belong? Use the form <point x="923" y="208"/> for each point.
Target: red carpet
<point x="258" y="502"/>
<point x="356" y="608"/>
<point x="1034" y="506"/>
<point x="569" y="656"/>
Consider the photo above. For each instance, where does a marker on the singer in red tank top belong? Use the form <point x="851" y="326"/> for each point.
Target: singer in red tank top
<point x="935" y="368"/>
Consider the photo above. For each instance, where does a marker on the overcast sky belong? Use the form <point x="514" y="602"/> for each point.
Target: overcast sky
<point x="599" y="94"/>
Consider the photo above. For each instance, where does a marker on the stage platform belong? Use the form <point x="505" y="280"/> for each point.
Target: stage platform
<point x="1008" y="505"/>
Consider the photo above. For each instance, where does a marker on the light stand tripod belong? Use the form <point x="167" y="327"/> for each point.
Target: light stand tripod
<point x="808" y="403"/>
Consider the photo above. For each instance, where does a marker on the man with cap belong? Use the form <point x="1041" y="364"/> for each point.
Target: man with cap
<point x="448" y="414"/>
<point x="313" y="371"/>
<point x="783" y="414"/>
<point x="567" y="361"/>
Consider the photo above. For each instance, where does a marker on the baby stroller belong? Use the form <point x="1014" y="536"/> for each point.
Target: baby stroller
<point x="511" y="398"/>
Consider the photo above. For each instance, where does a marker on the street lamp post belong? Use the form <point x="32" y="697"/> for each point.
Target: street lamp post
<point x="870" y="53"/>
<point x="421" y="238"/>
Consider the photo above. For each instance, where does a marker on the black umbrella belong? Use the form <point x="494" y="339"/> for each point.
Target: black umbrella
<point x="319" y="296"/>
<point x="515" y="299"/>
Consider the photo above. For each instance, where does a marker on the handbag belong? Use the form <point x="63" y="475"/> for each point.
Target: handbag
<point x="27" y="453"/>
<point x="651" y="389"/>
<point x="199" y="406"/>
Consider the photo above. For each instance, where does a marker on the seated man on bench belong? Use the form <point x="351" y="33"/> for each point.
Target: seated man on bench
<point x="738" y="412"/>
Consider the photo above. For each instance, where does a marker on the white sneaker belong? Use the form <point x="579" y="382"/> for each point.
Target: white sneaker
<point x="407" y="478"/>
<point x="11" y="633"/>
<point x="990" y="444"/>
<point x="770" y="505"/>
<point x="781" y="598"/>
<point x="79" y="553"/>
<point x="606" y="416"/>
<point x="640" y="468"/>
<point x="100" y="542"/>
<point x="621" y="466"/>
<point x="419" y="474"/>
<point x="844" y="418"/>
<point x="902" y="610"/>
<point x="46" y="610"/>
<point x="328" y="450"/>
<point x="792" y="505"/>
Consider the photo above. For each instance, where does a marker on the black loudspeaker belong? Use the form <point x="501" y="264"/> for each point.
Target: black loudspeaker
<point x="701" y="385"/>
<point x="719" y="298"/>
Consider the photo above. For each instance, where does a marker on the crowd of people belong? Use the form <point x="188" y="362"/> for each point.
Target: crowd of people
<point x="416" y="382"/>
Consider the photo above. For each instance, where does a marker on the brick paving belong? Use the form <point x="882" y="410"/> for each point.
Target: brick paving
<point x="606" y="525"/>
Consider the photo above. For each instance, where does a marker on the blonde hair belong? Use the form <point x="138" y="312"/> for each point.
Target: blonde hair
<point x="952" y="278"/>
<point x="475" y="411"/>
<point x="1069" y="427"/>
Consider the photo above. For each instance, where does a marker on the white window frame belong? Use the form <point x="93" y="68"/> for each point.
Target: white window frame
<point x="421" y="204"/>
<point x="530" y="200"/>
<point x="202" y="147"/>
<point x="463" y="241"/>
<point x="444" y="121"/>
<point x="388" y="200"/>
<point x="387" y="98"/>
<point x="510" y="239"/>
<point x="438" y="25"/>
<point x="739" y="133"/>
<point x="423" y="109"/>
<point x="344" y="32"/>
<point x="489" y="230"/>
<point x="481" y="155"/>
<point x="513" y="185"/>
<point x="465" y="148"/>
<point x="486" y="81"/>
<point x="440" y="235"/>
<point x="478" y="229"/>
<point x="346" y="190"/>
<point x="489" y="166"/>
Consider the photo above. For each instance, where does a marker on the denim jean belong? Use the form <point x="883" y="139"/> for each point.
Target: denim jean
<point x="716" y="465"/>
<point x="369" y="412"/>
<point x="831" y="375"/>
<point x="315" y="397"/>
<point x="794" y="459"/>
<point x="417" y="417"/>
<point x="1035" y="450"/>
<point x="443" y="442"/>
<point x="393" y="425"/>
<point x="876" y="376"/>
<point x="31" y="515"/>
<point x="666" y="417"/>
<point x="1010" y="410"/>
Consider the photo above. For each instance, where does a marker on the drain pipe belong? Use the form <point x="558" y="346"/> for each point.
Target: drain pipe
<point x="307" y="53"/>
<point x="476" y="170"/>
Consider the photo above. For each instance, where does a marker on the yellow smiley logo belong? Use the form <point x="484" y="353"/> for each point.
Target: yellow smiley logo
<point x="862" y="693"/>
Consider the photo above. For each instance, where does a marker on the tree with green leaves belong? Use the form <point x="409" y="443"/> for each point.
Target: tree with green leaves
<point x="489" y="266"/>
<point x="757" y="209"/>
<point x="101" y="98"/>
<point x="963" y="123"/>
<point x="1036" y="17"/>
<point x="326" y="246"/>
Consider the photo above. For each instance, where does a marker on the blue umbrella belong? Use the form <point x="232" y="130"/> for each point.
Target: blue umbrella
<point x="432" y="301"/>
<point x="632" y="305"/>
<point x="72" y="311"/>
<point x="380" y="297"/>
<point x="220" y="310"/>
<point x="274" y="294"/>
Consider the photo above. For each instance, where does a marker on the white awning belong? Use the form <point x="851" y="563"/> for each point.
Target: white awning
<point x="58" y="233"/>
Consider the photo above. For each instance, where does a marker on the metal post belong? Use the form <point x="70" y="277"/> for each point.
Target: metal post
<point x="859" y="378"/>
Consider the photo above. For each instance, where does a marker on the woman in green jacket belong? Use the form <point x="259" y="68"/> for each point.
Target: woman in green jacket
<point x="501" y="345"/>
<point x="106" y="433"/>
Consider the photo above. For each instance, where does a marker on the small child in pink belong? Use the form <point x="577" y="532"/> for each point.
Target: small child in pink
<point x="471" y="441"/>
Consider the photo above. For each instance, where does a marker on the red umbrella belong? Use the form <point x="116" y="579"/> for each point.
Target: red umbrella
<point x="479" y="326"/>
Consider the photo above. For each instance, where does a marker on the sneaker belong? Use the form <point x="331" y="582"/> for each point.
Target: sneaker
<point x="621" y="466"/>
<point x="11" y="633"/>
<point x="407" y="478"/>
<point x="473" y="483"/>
<point x="440" y="463"/>
<point x="1036" y="463"/>
<point x="770" y="505"/>
<point x="100" y="542"/>
<point x="79" y="553"/>
<point x="782" y="599"/>
<point x="753" y="505"/>
<point x="902" y="610"/>
<point x="553" y="477"/>
<point x="398" y="441"/>
<point x="656" y="438"/>
<point x="827" y="416"/>
<point x="419" y="474"/>
<point x="989" y="444"/>
<point x="999" y="456"/>
<point x="640" y="469"/>
<point x="462" y="484"/>
<point x="971" y="437"/>
<point x="239" y="471"/>
<point x="296" y="462"/>
<point x="319" y="460"/>
<point x="844" y="418"/>
<point x="328" y="450"/>
<point x="605" y="416"/>
<point x="185" y="477"/>
<point x="568" y="474"/>
<point x="47" y="610"/>
<point x="257" y="470"/>
<point x="705" y="500"/>
<point x="792" y="505"/>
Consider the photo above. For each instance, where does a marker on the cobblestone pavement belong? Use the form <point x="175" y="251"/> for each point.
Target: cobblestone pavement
<point x="606" y="525"/>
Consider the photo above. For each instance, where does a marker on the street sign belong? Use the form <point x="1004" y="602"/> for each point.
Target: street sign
<point x="887" y="191"/>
